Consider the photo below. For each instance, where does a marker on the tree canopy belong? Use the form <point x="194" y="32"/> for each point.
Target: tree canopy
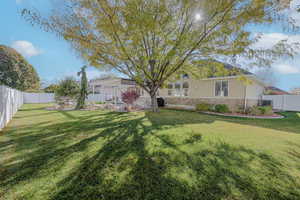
<point x="152" y="41"/>
<point x="16" y="72"/>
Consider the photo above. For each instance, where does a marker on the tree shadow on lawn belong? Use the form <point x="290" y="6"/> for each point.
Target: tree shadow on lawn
<point x="291" y="122"/>
<point x="131" y="160"/>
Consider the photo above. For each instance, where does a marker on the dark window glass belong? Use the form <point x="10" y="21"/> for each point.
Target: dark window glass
<point x="170" y="86"/>
<point x="225" y="88"/>
<point x="185" y="85"/>
<point x="218" y="88"/>
<point x="185" y="76"/>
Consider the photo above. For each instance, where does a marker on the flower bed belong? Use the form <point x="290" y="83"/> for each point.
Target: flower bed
<point x="273" y="116"/>
<point x="270" y="115"/>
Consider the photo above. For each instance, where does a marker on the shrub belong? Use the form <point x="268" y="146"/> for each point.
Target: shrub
<point x="100" y="102"/>
<point x="67" y="87"/>
<point x="222" y="108"/>
<point x="262" y="110"/>
<point x="51" y="88"/>
<point x="242" y="110"/>
<point x="266" y="110"/>
<point x="130" y="96"/>
<point x="255" y="111"/>
<point x="203" y="107"/>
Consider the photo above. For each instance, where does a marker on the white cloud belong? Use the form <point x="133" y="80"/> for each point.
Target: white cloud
<point x="268" y="40"/>
<point x="26" y="48"/>
<point x="93" y="73"/>
<point x="286" y="69"/>
<point x="19" y="1"/>
<point x="293" y="13"/>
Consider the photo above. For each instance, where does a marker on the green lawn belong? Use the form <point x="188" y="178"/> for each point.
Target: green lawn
<point x="89" y="155"/>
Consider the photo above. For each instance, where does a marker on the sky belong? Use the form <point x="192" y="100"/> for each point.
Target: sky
<point x="54" y="59"/>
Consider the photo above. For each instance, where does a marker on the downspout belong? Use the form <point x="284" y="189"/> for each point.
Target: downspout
<point x="94" y="93"/>
<point x="245" y="98"/>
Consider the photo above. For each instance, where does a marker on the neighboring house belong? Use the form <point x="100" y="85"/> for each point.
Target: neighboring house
<point x="271" y="90"/>
<point x="110" y="87"/>
<point x="295" y="91"/>
<point x="231" y="89"/>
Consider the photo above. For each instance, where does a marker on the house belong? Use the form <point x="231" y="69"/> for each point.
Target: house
<point x="271" y="90"/>
<point x="110" y="87"/>
<point x="106" y="84"/>
<point x="230" y="89"/>
<point x="295" y="91"/>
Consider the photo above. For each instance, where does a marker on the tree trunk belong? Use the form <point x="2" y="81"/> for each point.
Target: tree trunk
<point x="154" y="105"/>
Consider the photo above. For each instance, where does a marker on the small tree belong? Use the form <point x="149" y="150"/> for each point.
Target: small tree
<point x="67" y="87"/>
<point x="83" y="89"/>
<point x="130" y="96"/>
<point x="51" y="88"/>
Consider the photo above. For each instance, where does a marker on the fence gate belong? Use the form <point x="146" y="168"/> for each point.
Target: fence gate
<point x="284" y="102"/>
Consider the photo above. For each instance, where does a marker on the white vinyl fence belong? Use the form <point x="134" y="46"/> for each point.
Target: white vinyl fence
<point x="10" y="101"/>
<point x="38" y="97"/>
<point x="49" y="97"/>
<point x="284" y="102"/>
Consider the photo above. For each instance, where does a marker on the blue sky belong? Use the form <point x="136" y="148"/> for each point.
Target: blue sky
<point x="54" y="59"/>
<point x="51" y="57"/>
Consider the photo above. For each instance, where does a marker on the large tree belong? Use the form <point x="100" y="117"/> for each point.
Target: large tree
<point x="152" y="41"/>
<point x="16" y="72"/>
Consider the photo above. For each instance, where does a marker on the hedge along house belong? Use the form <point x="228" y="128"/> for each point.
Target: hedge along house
<point x="231" y="90"/>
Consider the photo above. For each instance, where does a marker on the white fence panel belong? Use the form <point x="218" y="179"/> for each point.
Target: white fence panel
<point x="39" y="98"/>
<point x="292" y="103"/>
<point x="96" y="98"/>
<point x="284" y="102"/>
<point x="50" y="97"/>
<point x="10" y="101"/>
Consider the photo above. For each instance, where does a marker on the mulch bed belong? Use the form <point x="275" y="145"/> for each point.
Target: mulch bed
<point x="274" y="116"/>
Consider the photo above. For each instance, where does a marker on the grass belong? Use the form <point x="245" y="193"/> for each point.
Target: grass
<point x="88" y="155"/>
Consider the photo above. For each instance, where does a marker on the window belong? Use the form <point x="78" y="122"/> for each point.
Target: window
<point x="185" y="76"/>
<point x="170" y="89"/>
<point x="178" y="89"/>
<point x="221" y="88"/>
<point x="185" y="87"/>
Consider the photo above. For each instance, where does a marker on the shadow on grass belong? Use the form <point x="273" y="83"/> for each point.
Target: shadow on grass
<point x="291" y="122"/>
<point x="130" y="160"/>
